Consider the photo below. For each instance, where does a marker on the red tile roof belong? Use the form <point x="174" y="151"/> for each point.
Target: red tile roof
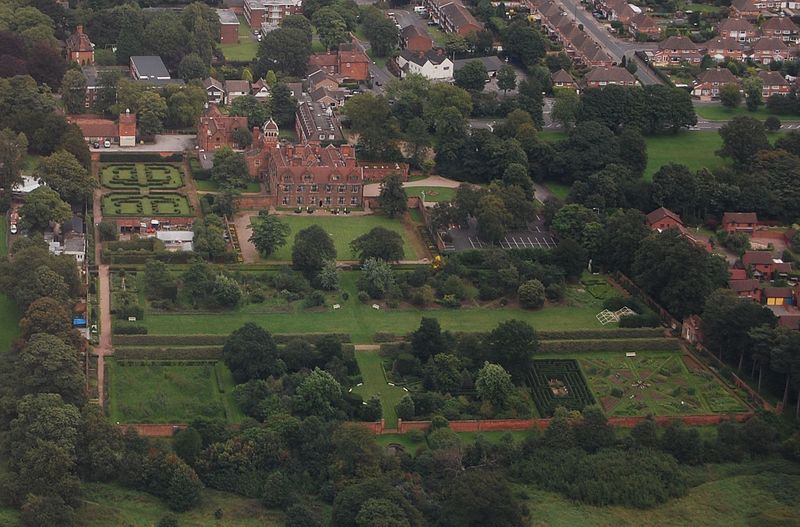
<point x="739" y="217"/>
<point x="743" y="285"/>
<point x="661" y="213"/>
<point x="757" y="258"/>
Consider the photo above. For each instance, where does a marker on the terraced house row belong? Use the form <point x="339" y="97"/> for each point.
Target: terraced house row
<point x="580" y="47"/>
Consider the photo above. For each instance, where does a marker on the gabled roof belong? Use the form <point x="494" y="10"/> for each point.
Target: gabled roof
<point x="641" y="21"/>
<point x="661" y="213"/>
<point x="491" y="63"/>
<point x="738" y="274"/>
<point x="770" y="44"/>
<point x="237" y="86"/>
<point x="434" y="56"/>
<point x="739" y="217"/>
<point x="677" y="43"/>
<point x="757" y="257"/>
<point x="778" y="292"/>
<point x="743" y="285"/>
<point x="95" y="127"/>
<point x="744" y="5"/>
<point x="779" y="23"/>
<point x="736" y="24"/>
<point x="772" y="78"/>
<point x="413" y="31"/>
<point x="562" y="76"/>
<point x="459" y="15"/>
<point x="724" y="43"/>
<point x="211" y="82"/>
<point x="609" y="74"/>
<point x="319" y="76"/>
<point x="79" y="41"/>
<point x="718" y="75"/>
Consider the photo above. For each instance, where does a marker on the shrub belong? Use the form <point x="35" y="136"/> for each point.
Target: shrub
<point x="772" y="123"/>
<point x="405" y="364"/>
<point x="415" y="436"/>
<point x="314" y="299"/>
<point x="531" y="294"/>
<point x="363" y="297"/>
<point x="405" y="408"/>
<point x="129" y="330"/>
<point x="108" y="231"/>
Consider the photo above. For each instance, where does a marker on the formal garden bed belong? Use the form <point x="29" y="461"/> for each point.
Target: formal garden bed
<point x="161" y="204"/>
<point x="135" y="176"/>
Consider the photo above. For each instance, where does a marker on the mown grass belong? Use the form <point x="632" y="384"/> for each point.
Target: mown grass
<point x="106" y="505"/>
<point x="247" y="47"/>
<point x="3" y="235"/>
<point x="717" y="112"/>
<point x="206" y="185"/>
<point x="374" y="383"/>
<point x="9" y="322"/>
<point x="167" y="393"/>
<point x="343" y="230"/>
<point x="432" y="193"/>
<point x="361" y="321"/>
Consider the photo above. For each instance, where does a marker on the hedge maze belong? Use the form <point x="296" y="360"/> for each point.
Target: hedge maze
<point x="130" y="204"/>
<point x="132" y="176"/>
<point x="558" y="382"/>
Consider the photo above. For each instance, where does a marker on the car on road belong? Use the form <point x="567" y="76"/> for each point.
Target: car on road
<point x="378" y="83"/>
<point x="106" y="144"/>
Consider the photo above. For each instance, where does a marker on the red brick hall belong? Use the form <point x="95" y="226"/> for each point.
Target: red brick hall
<point x="306" y="175"/>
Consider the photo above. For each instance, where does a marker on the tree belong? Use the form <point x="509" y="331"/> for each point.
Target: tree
<point x="517" y="175"/>
<point x="184" y="487"/>
<point x="531" y="294"/>
<point x="730" y="96"/>
<point x="192" y="66"/>
<point x="46" y="511"/>
<point x="331" y="27"/>
<point x="42" y="206"/>
<point x="285" y="49"/>
<point x="742" y="138"/>
<point x="73" y="91"/>
<point x="51" y="366"/>
<point x="566" y="108"/>
<point x="480" y="498"/>
<point x="230" y="169"/>
<point x="592" y="432"/>
<point x="371" y="117"/>
<point x="46" y="315"/>
<point x="13" y="148"/>
<point x="312" y="248"/>
<point x="382" y="34"/>
<point x="298" y="22"/>
<point x="318" y="394"/>
<point x="257" y="112"/>
<point x="72" y="141"/>
<point x="752" y="93"/>
<point x="283" y="105"/>
<point x="328" y="278"/>
<point x="152" y="109"/>
<point x="428" y="339"/>
<point x="512" y="344"/>
<point x="250" y="353"/>
<point x="158" y="282"/>
<point x="269" y="233"/>
<point x="493" y="218"/>
<point x="522" y="44"/>
<point x="393" y="200"/>
<point x="472" y="76"/>
<point x="405" y="408"/>
<point x="454" y="44"/>
<point x="166" y="36"/>
<point x="377" y="278"/>
<point x="506" y="78"/>
<point x="63" y="173"/>
<point x="184" y="104"/>
<point x="187" y="444"/>
<point x="379" y="512"/>
<point x="772" y="124"/>
<point x="531" y="99"/>
<point x="226" y="291"/>
<point x="379" y="242"/>
<point x="570" y="221"/>
<point x="493" y="384"/>
<point x="242" y="137"/>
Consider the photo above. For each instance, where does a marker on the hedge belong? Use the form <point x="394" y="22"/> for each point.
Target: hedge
<point x="620" y="345"/>
<point x="129" y="330"/>
<point x="602" y="334"/>
<point x="209" y="340"/>
<point x="128" y="157"/>
<point x="175" y="353"/>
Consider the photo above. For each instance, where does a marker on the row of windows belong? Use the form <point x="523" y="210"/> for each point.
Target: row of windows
<point x="327" y="201"/>
<point x="309" y="177"/>
<point x="328" y="188"/>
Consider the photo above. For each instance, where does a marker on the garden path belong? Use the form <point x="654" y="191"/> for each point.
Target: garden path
<point x="104" y="292"/>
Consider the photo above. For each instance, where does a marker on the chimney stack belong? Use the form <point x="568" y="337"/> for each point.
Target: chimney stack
<point x="79" y="29"/>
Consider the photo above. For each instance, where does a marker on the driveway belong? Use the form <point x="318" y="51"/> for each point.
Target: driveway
<point x="242" y="222"/>
<point x="163" y="143"/>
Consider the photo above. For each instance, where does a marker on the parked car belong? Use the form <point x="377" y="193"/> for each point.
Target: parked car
<point x="13" y="228"/>
<point x="96" y="145"/>
<point x="106" y="144"/>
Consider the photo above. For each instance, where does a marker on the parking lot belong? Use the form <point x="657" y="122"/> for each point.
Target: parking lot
<point x="536" y="236"/>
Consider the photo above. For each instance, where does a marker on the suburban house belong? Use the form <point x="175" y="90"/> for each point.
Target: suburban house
<point x="738" y="29"/>
<point x="433" y="64"/>
<point x="228" y="26"/>
<point x="722" y="48"/>
<point x="260" y="90"/>
<point x="214" y="90"/>
<point x="643" y="24"/>
<point x="214" y="129"/>
<point x="267" y="14"/>
<point x="414" y="39"/>
<point x="560" y="27"/>
<point x="317" y="123"/>
<point x="150" y="69"/>
<point x="744" y="9"/>
<point x="767" y="50"/>
<point x="79" y="48"/>
<point x="781" y="27"/>
<point x="326" y="97"/>
<point x="321" y="79"/>
<point x="492" y="63"/>
<point x="739" y="222"/>
<point x="348" y="63"/>
<point x="562" y="79"/>
<point x="773" y="83"/>
<point x="677" y="49"/>
<point x="127" y="129"/>
<point x="235" y="89"/>
<point x="452" y="16"/>
<point x="709" y="83"/>
<point x="778" y="296"/>
<point x="662" y="219"/>
<point x="760" y="263"/>
<point x="598" y="77"/>
<point x="747" y="288"/>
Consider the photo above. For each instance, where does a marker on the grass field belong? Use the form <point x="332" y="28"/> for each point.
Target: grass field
<point x="131" y="204"/>
<point x="9" y="322"/>
<point x="696" y="150"/>
<point x="717" y="112"/>
<point x="361" y="321"/>
<point x="107" y="505"/>
<point x="247" y="47"/>
<point x="374" y="383"/>
<point x="136" y="176"/>
<point x="343" y="230"/>
<point x="207" y="185"/>
<point x="746" y="495"/>
<point x="3" y="235"/>
<point x="165" y="393"/>
<point x="559" y="190"/>
<point x="432" y="193"/>
<point x="653" y="383"/>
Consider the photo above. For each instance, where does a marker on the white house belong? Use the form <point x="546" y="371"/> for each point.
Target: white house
<point x="432" y="64"/>
<point x="215" y="90"/>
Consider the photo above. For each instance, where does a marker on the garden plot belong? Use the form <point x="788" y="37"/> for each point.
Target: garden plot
<point x="655" y="383"/>
<point x="130" y="204"/>
<point x="558" y="382"/>
<point x="137" y="176"/>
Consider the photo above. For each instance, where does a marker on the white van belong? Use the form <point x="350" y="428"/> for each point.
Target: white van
<point x="420" y="10"/>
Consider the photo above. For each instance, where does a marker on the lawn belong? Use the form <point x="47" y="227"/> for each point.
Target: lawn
<point x="741" y="495"/>
<point x="696" y="150"/>
<point x="166" y="393"/>
<point x="361" y="321"/>
<point x="654" y="383"/>
<point x="343" y="230"/>
<point x="717" y="112"/>
<point x="432" y="193"/>
<point x="206" y="185"/>
<point x="3" y="235"/>
<point x="246" y="49"/>
<point x="559" y="190"/>
<point x="374" y="383"/>
<point x="9" y="322"/>
<point x="106" y="504"/>
<point x="137" y="176"/>
<point x="130" y="204"/>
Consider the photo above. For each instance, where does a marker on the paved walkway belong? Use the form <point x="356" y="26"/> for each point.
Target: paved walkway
<point x="104" y="293"/>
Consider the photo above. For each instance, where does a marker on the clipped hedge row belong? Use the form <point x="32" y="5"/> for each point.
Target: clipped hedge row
<point x="209" y="340"/>
<point x="173" y="353"/>
<point x="620" y="345"/>
<point x="128" y="330"/>
<point x="602" y="334"/>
